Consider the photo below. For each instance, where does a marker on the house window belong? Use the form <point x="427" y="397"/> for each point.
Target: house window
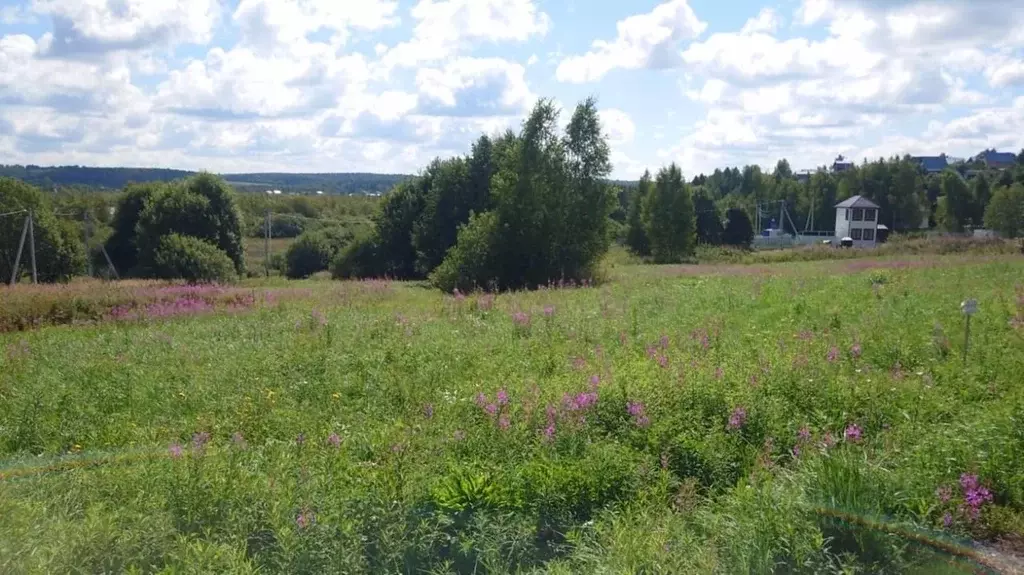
<point x="855" y="233"/>
<point x="847" y="213"/>
<point x="869" y="235"/>
<point x="869" y="214"/>
<point x="858" y="214"/>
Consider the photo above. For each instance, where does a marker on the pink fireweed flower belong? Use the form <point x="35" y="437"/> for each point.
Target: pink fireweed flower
<point x="549" y="311"/>
<point x="175" y="450"/>
<point x="664" y="342"/>
<point x="521" y="319"/>
<point x="944" y="494"/>
<point x="853" y="433"/>
<point x="549" y="432"/>
<point x="491" y="409"/>
<point x="459" y="297"/>
<point x="737" y="418"/>
<point x="595" y="382"/>
<point x="833" y="354"/>
<point x="652" y="352"/>
<point x="504" y="422"/>
<point x="643" y="422"/>
<point x="334" y="440"/>
<point x="947" y="520"/>
<point x="804" y="434"/>
<point x="635" y="408"/>
<point x="305" y="519"/>
<point x="502" y="397"/>
<point x="663" y="361"/>
<point x="199" y="440"/>
<point x="855" y="351"/>
<point x="485" y="303"/>
<point x="481" y="399"/>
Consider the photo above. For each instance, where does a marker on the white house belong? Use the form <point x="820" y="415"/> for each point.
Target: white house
<point x="857" y="218"/>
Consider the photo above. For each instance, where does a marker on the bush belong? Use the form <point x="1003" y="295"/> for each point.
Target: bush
<point x="202" y="207"/>
<point x="739" y="231"/>
<point x="60" y="253"/>
<point x="192" y="259"/>
<point x="314" y="251"/>
<point x="122" y="245"/>
<point x="359" y="259"/>
<point x="470" y="260"/>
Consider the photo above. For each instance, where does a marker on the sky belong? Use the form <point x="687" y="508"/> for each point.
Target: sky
<point x="387" y="85"/>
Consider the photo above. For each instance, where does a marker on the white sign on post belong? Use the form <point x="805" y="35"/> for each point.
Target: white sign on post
<point x="969" y="307"/>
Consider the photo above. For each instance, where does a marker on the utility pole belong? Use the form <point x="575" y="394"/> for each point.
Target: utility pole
<point x="21" y="246"/>
<point x="32" y="245"/>
<point x="266" y="244"/>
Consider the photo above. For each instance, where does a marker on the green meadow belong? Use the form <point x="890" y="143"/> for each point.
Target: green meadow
<point x="813" y="417"/>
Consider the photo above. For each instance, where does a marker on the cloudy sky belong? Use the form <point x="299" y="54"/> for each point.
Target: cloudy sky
<point x="386" y="85"/>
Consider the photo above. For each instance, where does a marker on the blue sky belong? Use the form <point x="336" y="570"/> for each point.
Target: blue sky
<point x="386" y="85"/>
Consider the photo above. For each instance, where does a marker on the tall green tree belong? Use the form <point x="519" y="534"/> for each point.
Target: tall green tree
<point x="670" y="218"/>
<point x="905" y="200"/>
<point x="955" y="204"/>
<point x="60" y="253"/>
<point x="709" y="223"/>
<point x="122" y="245"/>
<point x="981" y="194"/>
<point x="739" y="232"/>
<point x="1005" y="212"/>
<point x="393" y="228"/>
<point x="636" y="235"/>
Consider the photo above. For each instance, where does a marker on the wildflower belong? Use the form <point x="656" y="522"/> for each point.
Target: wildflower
<point x="428" y="410"/>
<point x="652" y="352"/>
<point x="804" y="434"/>
<point x="491" y="409"/>
<point x="549" y="432"/>
<point x="796" y="451"/>
<point x="175" y="450"/>
<point x="199" y="440"/>
<point x="595" y="381"/>
<point x="504" y="422"/>
<point x="635" y="408"/>
<point x="828" y="441"/>
<point x="551" y="413"/>
<point x="579" y="363"/>
<point x="944" y="494"/>
<point x="968" y="481"/>
<point x="334" y="440"/>
<point x="833" y="354"/>
<point x="481" y="399"/>
<point x="852" y="433"/>
<point x="664" y="342"/>
<point x="459" y="297"/>
<point x="485" y="303"/>
<point x="521" y="319"/>
<point x="947" y="520"/>
<point x="737" y="418"/>
<point x="305" y="519"/>
<point x="549" y="311"/>
<point x="643" y="422"/>
<point x="855" y="351"/>
<point x="502" y="397"/>
<point x="238" y="440"/>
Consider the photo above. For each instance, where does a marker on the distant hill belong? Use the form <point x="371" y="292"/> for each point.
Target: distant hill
<point x="116" y="178"/>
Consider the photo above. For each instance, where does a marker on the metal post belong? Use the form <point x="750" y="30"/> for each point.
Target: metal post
<point x="21" y="246"/>
<point x="109" y="262"/>
<point x="967" y="337"/>
<point x="266" y="245"/>
<point x="32" y="245"/>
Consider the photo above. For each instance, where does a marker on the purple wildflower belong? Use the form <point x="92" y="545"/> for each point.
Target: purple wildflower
<point x="428" y="410"/>
<point x="853" y="432"/>
<point x="502" y="397"/>
<point x="521" y="319"/>
<point x="459" y="297"/>
<point x="833" y="354"/>
<point x="485" y="303"/>
<point x="199" y="440"/>
<point x="947" y="520"/>
<point x="635" y="408"/>
<point x="491" y="409"/>
<point x="595" y="382"/>
<point x="481" y="399"/>
<point x="804" y="434"/>
<point x="334" y="440"/>
<point x="664" y="342"/>
<point x="796" y="451"/>
<point x="504" y="422"/>
<point x="944" y="494"/>
<point x="643" y="422"/>
<point x="737" y="418"/>
<point x="175" y="450"/>
<point x="855" y="350"/>
<point x="652" y="352"/>
<point x="549" y="311"/>
<point x="579" y="363"/>
<point x="828" y="441"/>
<point x="663" y="361"/>
<point x="549" y="432"/>
<point x="305" y="519"/>
<point x="968" y="481"/>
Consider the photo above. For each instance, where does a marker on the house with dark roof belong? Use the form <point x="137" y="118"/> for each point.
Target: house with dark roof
<point x="931" y="164"/>
<point x="857" y="219"/>
<point x="994" y="159"/>
<point x="841" y="165"/>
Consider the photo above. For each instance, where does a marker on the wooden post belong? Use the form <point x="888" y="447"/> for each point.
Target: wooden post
<point x="21" y="246"/>
<point x="32" y="245"/>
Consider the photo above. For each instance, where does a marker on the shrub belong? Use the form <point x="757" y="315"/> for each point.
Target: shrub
<point x="122" y="245"/>
<point x="192" y="259"/>
<point x="739" y="231"/>
<point x="359" y="259"/>
<point x="314" y="251"/>
<point x="59" y="250"/>
<point x="470" y="261"/>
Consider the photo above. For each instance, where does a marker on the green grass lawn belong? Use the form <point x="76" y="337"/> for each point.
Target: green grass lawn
<point x="813" y="417"/>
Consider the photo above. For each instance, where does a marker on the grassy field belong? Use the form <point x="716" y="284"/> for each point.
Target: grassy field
<point x="805" y="417"/>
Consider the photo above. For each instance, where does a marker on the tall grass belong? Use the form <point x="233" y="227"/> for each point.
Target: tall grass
<point x="792" y="421"/>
